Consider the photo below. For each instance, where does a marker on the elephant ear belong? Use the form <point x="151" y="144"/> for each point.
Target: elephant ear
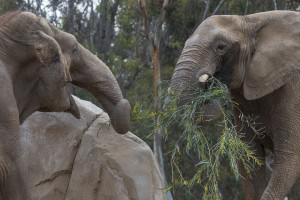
<point x="46" y="48"/>
<point x="275" y="59"/>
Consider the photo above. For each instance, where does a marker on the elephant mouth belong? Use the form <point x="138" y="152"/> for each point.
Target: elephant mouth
<point x="208" y="110"/>
<point x="72" y="108"/>
<point x="186" y="94"/>
<point x="43" y="109"/>
<point x="224" y="75"/>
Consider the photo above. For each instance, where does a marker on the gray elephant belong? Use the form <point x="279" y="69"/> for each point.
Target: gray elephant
<point x="258" y="58"/>
<point x="37" y="62"/>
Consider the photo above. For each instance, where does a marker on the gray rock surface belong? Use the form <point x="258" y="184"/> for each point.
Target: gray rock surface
<point x="71" y="159"/>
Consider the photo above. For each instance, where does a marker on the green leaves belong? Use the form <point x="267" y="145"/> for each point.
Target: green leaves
<point x="211" y="150"/>
<point x="206" y="147"/>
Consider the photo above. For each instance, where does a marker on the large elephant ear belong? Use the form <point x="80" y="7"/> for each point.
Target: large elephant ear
<point x="46" y="47"/>
<point x="276" y="57"/>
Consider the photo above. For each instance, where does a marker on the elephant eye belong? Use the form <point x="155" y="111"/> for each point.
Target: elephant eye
<point x="220" y="48"/>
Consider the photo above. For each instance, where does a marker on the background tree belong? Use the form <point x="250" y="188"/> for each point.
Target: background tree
<point x="154" y="37"/>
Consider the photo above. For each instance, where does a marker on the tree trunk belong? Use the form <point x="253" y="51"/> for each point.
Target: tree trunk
<point x="154" y="46"/>
<point x="156" y="76"/>
<point x="106" y="25"/>
<point x="70" y="17"/>
<point x="158" y="134"/>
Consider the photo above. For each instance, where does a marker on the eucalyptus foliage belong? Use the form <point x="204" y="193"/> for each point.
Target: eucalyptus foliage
<point x="196" y="141"/>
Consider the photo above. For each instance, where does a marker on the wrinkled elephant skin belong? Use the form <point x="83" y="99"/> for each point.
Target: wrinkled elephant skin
<point x="37" y="62"/>
<point x="258" y="57"/>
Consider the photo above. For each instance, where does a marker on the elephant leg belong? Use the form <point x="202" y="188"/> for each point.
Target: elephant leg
<point x="286" y="138"/>
<point x="12" y="186"/>
<point x="254" y="186"/>
<point x="284" y="175"/>
<point x="11" y="182"/>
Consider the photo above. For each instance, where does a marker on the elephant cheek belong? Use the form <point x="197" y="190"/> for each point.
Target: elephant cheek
<point x="120" y="116"/>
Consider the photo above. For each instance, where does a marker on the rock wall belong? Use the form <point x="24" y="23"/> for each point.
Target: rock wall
<point x="71" y="159"/>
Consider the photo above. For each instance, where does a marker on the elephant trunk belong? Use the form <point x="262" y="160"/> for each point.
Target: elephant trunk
<point x="191" y="72"/>
<point x="92" y="74"/>
<point x="184" y="79"/>
<point x="194" y="65"/>
<point x="117" y="108"/>
<point x="184" y="85"/>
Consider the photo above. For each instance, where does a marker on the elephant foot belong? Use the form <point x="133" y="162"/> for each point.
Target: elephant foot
<point x="120" y="117"/>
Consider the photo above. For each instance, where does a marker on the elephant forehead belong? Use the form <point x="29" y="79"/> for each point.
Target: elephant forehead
<point x="22" y="25"/>
<point x="199" y="40"/>
<point x="220" y="26"/>
<point x="6" y="17"/>
<point x="22" y="20"/>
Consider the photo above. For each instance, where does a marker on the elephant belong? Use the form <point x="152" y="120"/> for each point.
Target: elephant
<point x="38" y="62"/>
<point x="257" y="57"/>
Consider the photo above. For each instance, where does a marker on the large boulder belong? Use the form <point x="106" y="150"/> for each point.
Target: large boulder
<point x="67" y="158"/>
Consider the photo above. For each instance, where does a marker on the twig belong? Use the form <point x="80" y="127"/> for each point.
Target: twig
<point x="218" y="7"/>
<point x="207" y="2"/>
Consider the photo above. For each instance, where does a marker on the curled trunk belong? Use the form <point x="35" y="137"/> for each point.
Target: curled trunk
<point x="92" y="74"/>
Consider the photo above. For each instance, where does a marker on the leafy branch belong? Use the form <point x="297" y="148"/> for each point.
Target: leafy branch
<point x="196" y="141"/>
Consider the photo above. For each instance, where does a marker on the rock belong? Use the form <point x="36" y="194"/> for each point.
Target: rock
<point x="71" y="159"/>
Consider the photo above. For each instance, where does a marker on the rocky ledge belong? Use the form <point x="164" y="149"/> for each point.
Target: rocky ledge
<point x="64" y="158"/>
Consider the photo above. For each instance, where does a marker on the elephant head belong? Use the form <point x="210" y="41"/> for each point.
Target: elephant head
<point x="36" y="68"/>
<point x="89" y="72"/>
<point x="34" y="75"/>
<point x="257" y="57"/>
<point x="247" y="53"/>
<point x="37" y="62"/>
<point x="81" y="67"/>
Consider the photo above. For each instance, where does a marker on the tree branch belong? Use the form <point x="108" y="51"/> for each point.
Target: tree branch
<point x="207" y="2"/>
<point x="246" y="8"/>
<point x="275" y="4"/>
<point x="145" y="17"/>
<point x="160" y="22"/>
<point x="105" y="25"/>
<point x="218" y="7"/>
